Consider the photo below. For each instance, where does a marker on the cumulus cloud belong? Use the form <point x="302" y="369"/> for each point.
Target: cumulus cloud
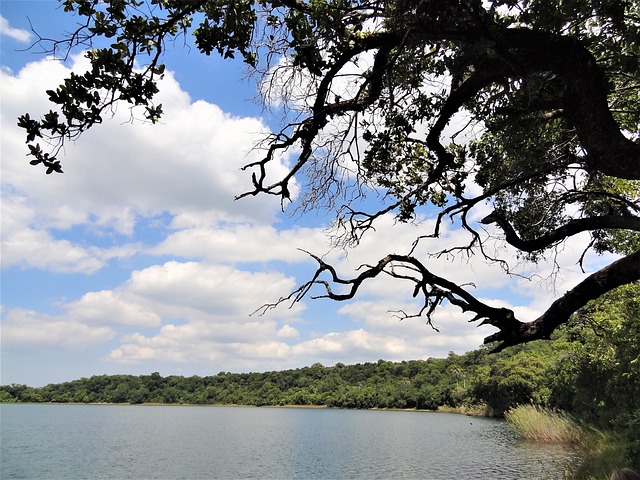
<point x="26" y="329"/>
<point x="190" y="310"/>
<point x="24" y="245"/>
<point x="122" y="170"/>
<point x="287" y="331"/>
<point x="349" y="346"/>
<point x="209" y="325"/>
<point x="206" y="311"/>
<point x="106" y="307"/>
<point x="218" y="289"/>
<point x="121" y="174"/>
<point x="454" y="331"/>
<point x="221" y="243"/>
<point x="17" y="34"/>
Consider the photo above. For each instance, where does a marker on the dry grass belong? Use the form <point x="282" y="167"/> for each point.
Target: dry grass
<point x="544" y="425"/>
<point x="600" y="452"/>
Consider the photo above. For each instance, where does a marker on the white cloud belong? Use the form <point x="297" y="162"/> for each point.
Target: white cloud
<point x="25" y="329"/>
<point x="454" y="331"/>
<point x="197" y="342"/>
<point x="287" y="331"/>
<point x="216" y="329"/>
<point x="219" y="290"/>
<point x="121" y="173"/>
<point x="190" y="311"/>
<point x="18" y="34"/>
<point x="107" y="308"/>
<point x="26" y="246"/>
<point x="260" y="243"/>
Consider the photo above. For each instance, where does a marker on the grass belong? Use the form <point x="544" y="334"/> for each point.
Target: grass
<point x="543" y="425"/>
<point x="600" y="452"/>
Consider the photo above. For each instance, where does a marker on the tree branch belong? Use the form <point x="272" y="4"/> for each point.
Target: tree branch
<point x="618" y="273"/>
<point x="435" y="290"/>
<point x="584" y="99"/>
<point x="572" y="227"/>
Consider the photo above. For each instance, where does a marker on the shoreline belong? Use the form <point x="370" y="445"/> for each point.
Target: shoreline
<point x="479" y="411"/>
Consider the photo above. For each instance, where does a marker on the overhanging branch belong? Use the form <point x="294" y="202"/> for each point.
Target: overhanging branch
<point x="572" y="227"/>
<point x="435" y="290"/>
<point x="621" y="272"/>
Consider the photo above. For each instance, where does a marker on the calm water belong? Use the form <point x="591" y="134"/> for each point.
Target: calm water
<point x="173" y="442"/>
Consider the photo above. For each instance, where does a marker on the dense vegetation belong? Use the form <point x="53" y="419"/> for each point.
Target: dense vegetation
<point x="589" y="369"/>
<point x="410" y="384"/>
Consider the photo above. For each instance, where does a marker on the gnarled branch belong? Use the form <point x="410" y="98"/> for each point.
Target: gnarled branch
<point x="572" y="227"/>
<point x="436" y="289"/>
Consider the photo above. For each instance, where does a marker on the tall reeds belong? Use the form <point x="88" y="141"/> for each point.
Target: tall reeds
<point x="544" y="425"/>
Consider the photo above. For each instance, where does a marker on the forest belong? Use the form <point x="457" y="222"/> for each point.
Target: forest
<point x="589" y="369"/>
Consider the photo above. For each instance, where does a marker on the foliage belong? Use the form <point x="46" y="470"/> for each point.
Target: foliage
<point x="518" y="379"/>
<point x="413" y="384"/>
<point x="599" y="379"/>
<point x="550" y="90"/>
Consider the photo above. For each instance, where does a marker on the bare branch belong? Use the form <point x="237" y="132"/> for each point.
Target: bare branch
<point x="572" y="227"/>
<point x="435" y="290"/>
<point x="621" y="272"/>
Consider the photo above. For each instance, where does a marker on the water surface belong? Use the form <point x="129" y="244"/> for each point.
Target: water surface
<point x="178" y="442"/>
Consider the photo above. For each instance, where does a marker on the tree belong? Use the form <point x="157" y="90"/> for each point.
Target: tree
<point x="370" y="86"/>
<point x="516" y="380"/>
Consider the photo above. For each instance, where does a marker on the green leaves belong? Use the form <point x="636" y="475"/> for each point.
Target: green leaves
<point x="227" y="28"/>
<point x="114" y="75"/>
<point x="44" y="158"/>
<point x="31" y="126"/>
<point x="154" y="113"/>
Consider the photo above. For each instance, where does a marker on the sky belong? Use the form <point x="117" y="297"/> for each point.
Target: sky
<point x="138" y="259"/>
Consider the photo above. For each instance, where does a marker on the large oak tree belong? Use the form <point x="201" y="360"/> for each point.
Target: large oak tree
<point x="551" y="88"/>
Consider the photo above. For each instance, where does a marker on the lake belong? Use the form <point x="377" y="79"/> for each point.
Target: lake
<point x="43" y="441"/>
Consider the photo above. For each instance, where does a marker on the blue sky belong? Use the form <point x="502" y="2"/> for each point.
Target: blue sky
<point x="138" y="259"/>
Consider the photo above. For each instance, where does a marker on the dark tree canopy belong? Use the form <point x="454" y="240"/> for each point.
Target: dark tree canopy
<point x="551" y="88"/>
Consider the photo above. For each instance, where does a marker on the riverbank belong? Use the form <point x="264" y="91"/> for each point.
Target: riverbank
<point x="600" y="452"/>
<point x="472" y="411"/>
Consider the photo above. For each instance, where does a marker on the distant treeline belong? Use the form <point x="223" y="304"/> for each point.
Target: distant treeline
<point x="560" y="373"/>
<point x="410" y="384"/>
<point x="589" y="369"/>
